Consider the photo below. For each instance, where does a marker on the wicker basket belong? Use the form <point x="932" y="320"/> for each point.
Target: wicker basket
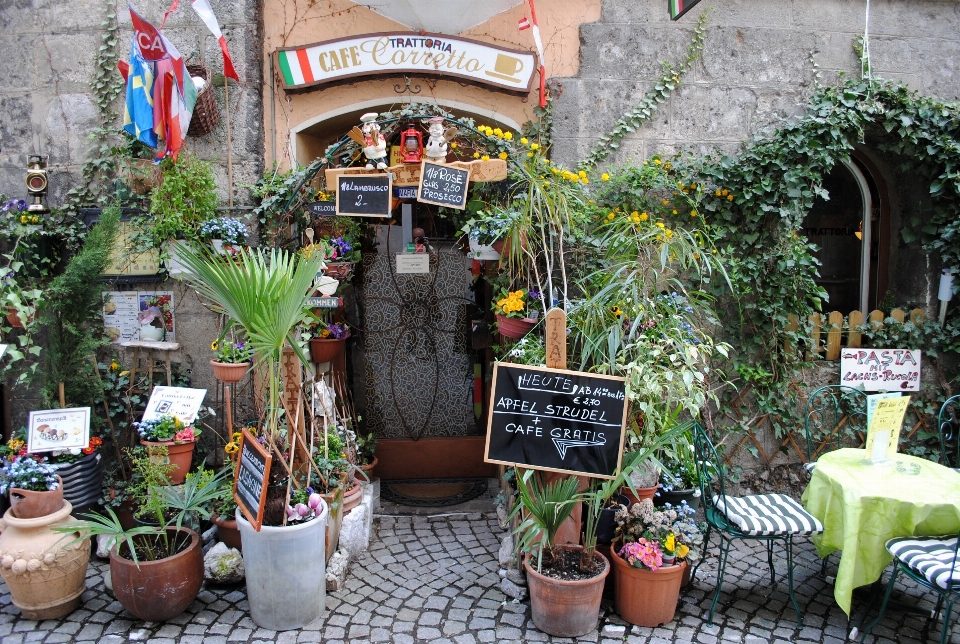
<point x="206" y="115"/>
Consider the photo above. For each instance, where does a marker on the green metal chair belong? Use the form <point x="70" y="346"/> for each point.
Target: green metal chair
<point x="948" y="420"/>
<point x="835" y="417"/>
<point x="933" y="563"/>
<point x="758" y="517"/>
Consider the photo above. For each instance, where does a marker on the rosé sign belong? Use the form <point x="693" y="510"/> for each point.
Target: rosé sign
<point x="881" y="369"/>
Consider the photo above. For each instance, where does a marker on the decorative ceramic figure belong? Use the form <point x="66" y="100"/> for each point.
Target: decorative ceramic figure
<point x="437" y="144"/>
<point x="374" y="145"/>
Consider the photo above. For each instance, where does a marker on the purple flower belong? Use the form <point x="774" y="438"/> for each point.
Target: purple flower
<point x="534" y="295"/>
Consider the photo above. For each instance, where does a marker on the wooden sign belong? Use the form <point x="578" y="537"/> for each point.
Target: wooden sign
<point x="365" y="195"/>
<point x="322" y="208"/>
<point x="876" y="369"/>
<point x="250" y="479"/>
<point x="443" y="185"/>
<point x="556" y="420"/>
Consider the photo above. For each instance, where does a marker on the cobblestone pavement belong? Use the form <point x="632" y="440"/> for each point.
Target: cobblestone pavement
<point x="435" y="579"/>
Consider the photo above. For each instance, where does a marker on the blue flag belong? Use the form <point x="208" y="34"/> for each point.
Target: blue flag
<point x="138" y="110"/>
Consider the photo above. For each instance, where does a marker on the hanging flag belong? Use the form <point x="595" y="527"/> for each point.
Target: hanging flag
<point x="523" y="24"/>
<point x="680" y="7"/>
<point x="202" y="7"/>
<point x="173" y="99"/>
<point x="539" y="44"/>
<point x="138" y="107"/>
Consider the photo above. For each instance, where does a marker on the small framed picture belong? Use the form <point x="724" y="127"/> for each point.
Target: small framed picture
<point x="56" y="429"/>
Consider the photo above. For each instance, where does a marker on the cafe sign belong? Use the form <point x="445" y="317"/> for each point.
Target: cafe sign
<point x="405" y="53"/>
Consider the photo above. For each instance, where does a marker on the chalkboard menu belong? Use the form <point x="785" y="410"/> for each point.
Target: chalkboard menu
<point x="556" y="420"/>
<point x="249" y="483"/>
<point x="443" y="185"/>
<point x="322" y="208"/>
<point x="367" y="195"/>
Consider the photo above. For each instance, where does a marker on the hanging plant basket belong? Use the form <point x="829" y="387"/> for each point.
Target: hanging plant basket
<point x="229" y="372"/>
<point x="206" y="114"/>
<point x="514" y="328"/>
<point x="326" y="349"/>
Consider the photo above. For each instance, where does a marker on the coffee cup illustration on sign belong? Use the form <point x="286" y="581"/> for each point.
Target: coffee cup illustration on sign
<point x="506" y="68"/>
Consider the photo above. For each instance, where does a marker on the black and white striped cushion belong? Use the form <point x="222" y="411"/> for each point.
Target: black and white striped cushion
<point x="809" y="467"/>
<point x="767" y="514"/>
<point x="930" y="557"/>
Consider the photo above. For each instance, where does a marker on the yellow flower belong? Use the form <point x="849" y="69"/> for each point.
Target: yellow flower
<point x="231" y="448"/>
<point x="635" y="214"/>
<point x="529" y="154"/>
<point x="636" y="219"/>
<point x="660" y="225"/>
<point x="693" y="213"/>
<point x="616" y="311"/>
<point x="644" y="216"/>
<point x="585" y="180"/>
<point x="729" y="197"/>
<point x="604" y="177"/>
<point x="524" y="140"/>
<point x="667" y="165"/>
<point x="508" y="136"/>
<point x="23" y="219"/>
<point x="718" y="193"/>
<point x="645" y="163"/>
<point x="669" y="543"/>
<point x="534" y="146"/>
<point x="582" y="174"/>
<point x="683" y="550"/>
<point x="214" y="346"/>
<point x="656" y="161"/>
<point x="610" y="216"/>
<point x="453" y="145"/>
<point x="674" y="211"/>
<point x="237" y="437"/>
<point x="498" y="132"/>
<point x="114" y="366"/>
<point x="476" y="155"/>
<point x="125" y="373"/>
<point x="503" y="155"/>
<point x="665" y="202"/>
<point x="724" y="192"/>
<point x="485" y="157"/>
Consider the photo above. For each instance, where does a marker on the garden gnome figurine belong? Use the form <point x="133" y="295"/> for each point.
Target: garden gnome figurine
<point x="437" y="144"/>
<point x="374" y="145"/>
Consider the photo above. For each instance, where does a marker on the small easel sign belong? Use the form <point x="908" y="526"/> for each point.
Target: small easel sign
<point x="883" y="433"/>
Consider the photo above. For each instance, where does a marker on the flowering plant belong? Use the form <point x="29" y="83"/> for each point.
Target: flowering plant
<point x="304" y="505"/>
<point x="231" y="231"/>
<point x="490" y="226"/>
<point x="530" y="349"/>
<point x="28" y="473"/>
<point x="673" y="529"/>
<point x="166" y="428"/>
<point x="511" y="304"/>
<point x="231" y="352"/>
<point x="334" y="331"/>
<point x="642" y="553"/>
<point x="345" y="249"/>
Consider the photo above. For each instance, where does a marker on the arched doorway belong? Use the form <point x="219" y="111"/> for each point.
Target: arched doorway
<point x="851" y="231"/>
<point x="414" y="368"/>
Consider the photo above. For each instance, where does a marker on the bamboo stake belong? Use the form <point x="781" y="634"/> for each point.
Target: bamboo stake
<point x="293" y="451"/>
<point x="63" y="402"/>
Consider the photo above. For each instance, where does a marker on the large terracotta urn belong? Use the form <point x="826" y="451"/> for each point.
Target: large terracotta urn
<point x="44" y="570"/>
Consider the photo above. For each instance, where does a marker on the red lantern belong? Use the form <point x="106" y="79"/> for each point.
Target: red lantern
<point x="412" y="145"/>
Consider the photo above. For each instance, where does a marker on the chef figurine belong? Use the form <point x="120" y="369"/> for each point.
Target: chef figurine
<point x="374" y="145"/>
<point x="437" y="144"/>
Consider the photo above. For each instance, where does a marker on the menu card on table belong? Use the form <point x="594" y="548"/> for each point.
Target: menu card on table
<point x="883" y="432"/>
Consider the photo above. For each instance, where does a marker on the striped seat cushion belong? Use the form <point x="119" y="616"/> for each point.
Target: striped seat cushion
<point x="767" y="514"/>
<point x="930" y="557"/>
<point x="809" y="467"/>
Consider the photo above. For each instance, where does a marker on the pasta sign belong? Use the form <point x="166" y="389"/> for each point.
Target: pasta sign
<point x="881" y="369"/>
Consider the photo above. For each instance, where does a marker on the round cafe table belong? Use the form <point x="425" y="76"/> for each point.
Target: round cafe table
<point x="862" y="505"/>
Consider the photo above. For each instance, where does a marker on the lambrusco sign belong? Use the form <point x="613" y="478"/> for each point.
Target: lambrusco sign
<point x="556" y="420"/>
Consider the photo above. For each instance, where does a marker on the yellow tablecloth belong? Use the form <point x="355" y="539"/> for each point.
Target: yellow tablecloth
<point x="862" y="505"/>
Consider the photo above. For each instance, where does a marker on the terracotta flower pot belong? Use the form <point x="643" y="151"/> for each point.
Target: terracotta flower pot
<point x="326" y="349"/>
<point x="339" y="270"/>
<point x="565" y="608"/>
<point x="28" y="504"/>
<point x="14" y="318"/>
<point x="642" y="493"/>
<point x="46" y="577"/>
<point x="178" y="454"/>
<point x="228" y="532"/>
<point x="647" y="597"/>
<point x="514" y="328"/>
<point x="156" y="591"/>
<point x="352" y="497"/>
<point x="125" y="511"/>
<point x="369" y="468"/>
<point x="229" y="372"/>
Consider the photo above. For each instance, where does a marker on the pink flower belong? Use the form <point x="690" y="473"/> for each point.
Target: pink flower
<point x="642" y="553"/>
<point x="185" y="435"/>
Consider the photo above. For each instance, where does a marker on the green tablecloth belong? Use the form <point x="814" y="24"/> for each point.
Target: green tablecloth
<point x="862" y="505"/>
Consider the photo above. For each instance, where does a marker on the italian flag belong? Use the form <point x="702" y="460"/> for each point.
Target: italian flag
<point x="295" y="66"/>
<point x="680" y="7"/>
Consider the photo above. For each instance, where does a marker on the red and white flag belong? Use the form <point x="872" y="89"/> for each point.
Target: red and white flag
<point x="202" y="7"/>
<point x="523" y="24"/>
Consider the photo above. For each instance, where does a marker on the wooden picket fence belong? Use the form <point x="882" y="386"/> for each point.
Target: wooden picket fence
<point x="836" y="331"/>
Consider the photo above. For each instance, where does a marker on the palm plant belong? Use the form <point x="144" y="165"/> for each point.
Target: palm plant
<point x="546" y="507"/>
<point x="266" y="295"/>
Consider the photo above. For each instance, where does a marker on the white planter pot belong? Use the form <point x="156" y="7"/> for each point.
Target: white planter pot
<point x="286" y="572"/>
<point x="174" y="266"/>
<point x="218" y="246"/>
<point x="481" y="251"/>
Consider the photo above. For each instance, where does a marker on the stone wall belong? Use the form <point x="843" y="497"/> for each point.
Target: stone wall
<point x="48" y="108"/>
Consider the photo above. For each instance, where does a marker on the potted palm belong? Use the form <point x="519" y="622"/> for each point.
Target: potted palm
<point x="157" y="570"/>
<point x="265" y="294"/>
